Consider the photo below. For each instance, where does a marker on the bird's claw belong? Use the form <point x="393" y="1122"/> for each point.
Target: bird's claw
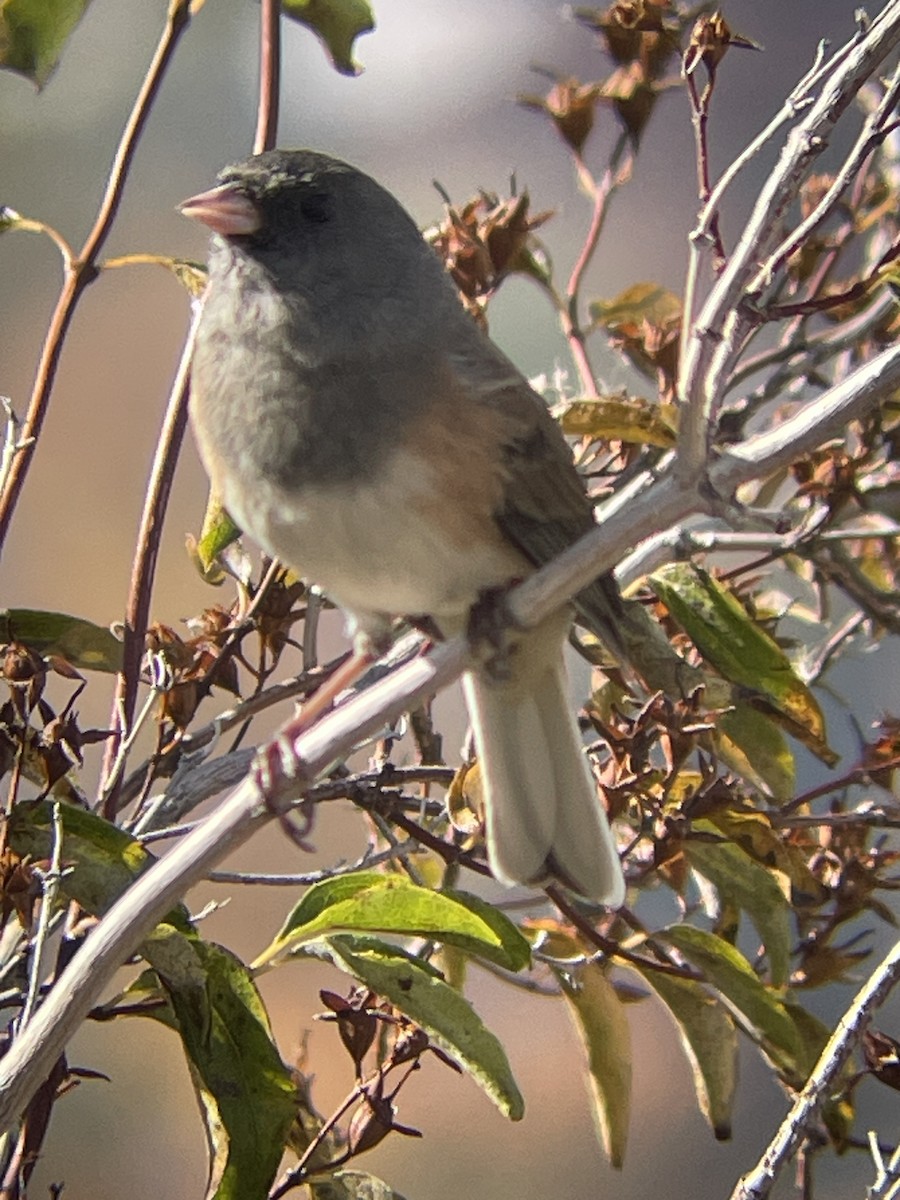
<point x="276" y="773"/>
<point x="491" y="631"/>
<point x="275" y="769"/>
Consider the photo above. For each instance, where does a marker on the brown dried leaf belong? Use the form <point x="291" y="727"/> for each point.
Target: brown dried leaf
<point x="571" y="106"/>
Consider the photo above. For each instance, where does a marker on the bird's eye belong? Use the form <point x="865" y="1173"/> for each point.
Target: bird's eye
<point x="316" y="206"/>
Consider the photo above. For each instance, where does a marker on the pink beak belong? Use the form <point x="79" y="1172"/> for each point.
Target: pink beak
<point x="225" y="209"/>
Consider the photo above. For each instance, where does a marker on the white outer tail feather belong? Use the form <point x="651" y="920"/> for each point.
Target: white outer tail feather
<point x="543" y="813"/>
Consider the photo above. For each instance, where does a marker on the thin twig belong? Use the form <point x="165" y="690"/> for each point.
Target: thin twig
<point x="167" y="761"/>
<point x="718" y="334"/>
<point x="812" y="670"/>
<point x="700" y="102"/>
<point x="873" y="133"/>
<point x="30" y="225"/>
<point x="49" y="892"/>
<point x="701" y="235"/>
<point x="758" y="1183"/>
<point x="669" y="501"/>
<point x="874" y="818"/>
<point x="600" y="192"/>
<point x="137" y="612"/>
<point x="308" y="878"/>
<point x="83" y="269"/>
<point x="828" y="301"/>
<point x="269" y="76"/>
<point x="609" y="947"/>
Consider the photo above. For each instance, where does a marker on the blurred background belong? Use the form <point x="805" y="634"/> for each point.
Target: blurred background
<point x="436" y="101"/>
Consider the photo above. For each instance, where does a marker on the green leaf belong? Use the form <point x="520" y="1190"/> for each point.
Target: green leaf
<point x="638" y="304"/>
<point x="217" y="534"/>
<point x="726" y="969"/>
<point x="750" y="887"/>
<point x="351" y="1185"/>
<point x="33" y="34"/>
<point x="743" y="653"/>
<point x="755" y="747"/>
<point x="245" y="1091"/>
<point x="337" y="24"/>
<point x="100" y="860"/>
<point x="709" y="1040"/>
<point x="86" y="646"/>
<point x="417" y="990"/>
<point x="370" y="901"/>
<point x="599" y="1017"/>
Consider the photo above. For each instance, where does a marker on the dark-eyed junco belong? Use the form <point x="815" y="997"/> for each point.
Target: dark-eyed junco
<point x="356" y="421"/>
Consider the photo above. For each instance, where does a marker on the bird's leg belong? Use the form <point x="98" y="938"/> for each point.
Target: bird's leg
<point x="275" y="767"/>
<point x="491" y="632"/>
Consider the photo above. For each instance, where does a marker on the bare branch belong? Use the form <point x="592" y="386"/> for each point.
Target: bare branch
<point x="875" y="129"/>
<point x="137" y="611"/>
<point x="83" y="269"/>
<point x="758" y="1183"/>
<point x="718" y="334"/>
<point x="150" y="897"/>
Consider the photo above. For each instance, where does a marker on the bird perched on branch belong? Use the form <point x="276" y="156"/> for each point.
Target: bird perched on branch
<point x="358" y="423"/>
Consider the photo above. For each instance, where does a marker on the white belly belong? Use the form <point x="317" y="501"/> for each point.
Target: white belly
<point x="374" y="545"/>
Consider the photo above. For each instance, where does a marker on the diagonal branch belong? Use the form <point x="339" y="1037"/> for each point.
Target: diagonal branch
<point x="758" y="1183"/>
<point x="147" y="901"/>
<point x="719" y="331"/>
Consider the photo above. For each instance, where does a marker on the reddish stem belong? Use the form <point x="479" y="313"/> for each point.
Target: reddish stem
<point x="137" y="611"/>
<point x="83" y="269"/>
<point x="700" y="109"/>
<point x="269" y="76"/>
<point x="600" y="192"/>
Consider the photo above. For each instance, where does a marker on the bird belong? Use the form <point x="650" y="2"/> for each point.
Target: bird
<point x="357" y="422"/>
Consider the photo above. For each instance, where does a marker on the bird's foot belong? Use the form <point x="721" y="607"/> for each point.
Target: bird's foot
<point x="278" y="770"/>
<point x="492" y="632"/>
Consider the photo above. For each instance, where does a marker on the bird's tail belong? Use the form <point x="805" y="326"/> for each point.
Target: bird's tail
<point x="543" y="814"/>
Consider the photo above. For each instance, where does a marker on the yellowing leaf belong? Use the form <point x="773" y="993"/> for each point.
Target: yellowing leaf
<point x="621" y="419"/>
<point x="644" y="322"/>
<point x="753" y="832"/>
<point x="351" y="1185"/>
<point x="743" y="653"/>
<point x="709" y="1039"/>
<point x="337" y="24"/>
<point x="101" y="860"/>
<point x="554" y="941"/>
<point x="465" y="798"/>
<point x="600" y="1019"/>
<point x="754" y="746"/>
<point x="641" y="302"/>
<point x="726" y="969"/>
